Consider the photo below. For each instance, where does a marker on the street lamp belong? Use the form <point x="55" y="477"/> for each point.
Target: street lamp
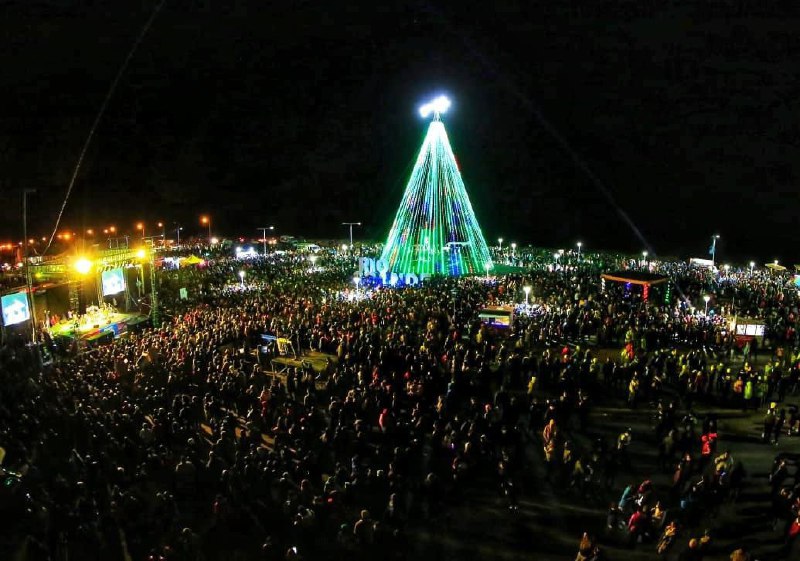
<point x="752" y="264"/>
<point x="713" y="251"/>
<point x="264" y="235"/>
<point x="513" y="249"/>
<point x="241" y="276"/>
<point x="500" y="244"/>
<point x="206" y="220"/>
<point x="344" y="247"/>
<point x="351" y="224"/>
<point x="487" y="266"/>
<point x="706" y="298"/>
<point x="527" y="290"/>
<point x="163" y="234"/>
<point x="579" y="244"/>
<point x="140" y="226"/>
<point x="178" y="232"/>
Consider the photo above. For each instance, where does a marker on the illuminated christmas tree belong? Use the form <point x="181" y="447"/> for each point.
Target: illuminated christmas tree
<point x="435" y="231"/>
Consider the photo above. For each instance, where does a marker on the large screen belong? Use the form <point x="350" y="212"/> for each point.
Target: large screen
<point x="113" y="281"/>
<point x="15" y="308"/>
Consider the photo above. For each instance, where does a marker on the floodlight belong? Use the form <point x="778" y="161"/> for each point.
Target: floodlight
<point x="438" y="106"/>
<point x="83" y="265"/>
<point x="141" y="253"/>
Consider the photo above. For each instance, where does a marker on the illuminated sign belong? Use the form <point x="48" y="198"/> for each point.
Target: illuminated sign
<point x="369" y="267"/>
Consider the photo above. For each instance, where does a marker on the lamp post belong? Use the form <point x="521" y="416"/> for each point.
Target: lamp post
<point x="351" y="224"/>
<point x="706" y="298"/>
<point x="206" y="220"/>
<point x="513" y="250"/>
<point x="140" y="226"/>
<point x="579" y="244"/>
<point x="264" y="235"/>
<point x="487" y="266"/>
<point x="178" y="232"/>
<point x="500" y="245"/>
<point x="163" y="234"/>
<point x="644" y="258"/>
<point x="752" y="264"/>
<point x="527" y="290"/>
<point x="241" y="277"/>
<point x="713" y="251"/>
<point x="28" y="281"/>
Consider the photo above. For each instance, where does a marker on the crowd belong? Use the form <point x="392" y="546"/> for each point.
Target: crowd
<point x="182" y="442"/>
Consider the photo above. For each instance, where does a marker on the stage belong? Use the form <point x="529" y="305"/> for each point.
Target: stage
<point x="96" y="326"/>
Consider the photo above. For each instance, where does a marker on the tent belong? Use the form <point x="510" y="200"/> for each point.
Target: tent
<point x="775" y="268"/>
<point x="192" y="260"/>
<point x="641" y="278"/>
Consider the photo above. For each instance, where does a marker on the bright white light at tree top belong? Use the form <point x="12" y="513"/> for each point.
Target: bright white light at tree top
<point x="438" y="106"/>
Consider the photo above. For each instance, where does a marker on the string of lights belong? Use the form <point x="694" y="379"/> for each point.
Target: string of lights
<point x="435" y="231"/>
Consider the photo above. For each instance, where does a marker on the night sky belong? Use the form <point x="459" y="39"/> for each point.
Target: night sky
<point x="684" y="115"/>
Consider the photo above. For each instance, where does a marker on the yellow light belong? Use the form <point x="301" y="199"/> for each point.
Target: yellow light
<point x="139" y="226"/>
<point x="31" y="241"/>
<point x="112" y="229"/>
<point x="160" y="224"/>
<point x="141" y="253"/>
<point x="90" y="231"/>
<point x="204" y="219"/>
<point x="83" y="265"/>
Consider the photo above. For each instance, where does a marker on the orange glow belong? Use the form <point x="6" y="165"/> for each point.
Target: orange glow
<point x="31" y="241"/>
<point x="90" y="232"/>
<point x="140" y="226"/>
<point x="160" y="224"/>
<point x="112" y="229"/>
<point x="204" y="220"/>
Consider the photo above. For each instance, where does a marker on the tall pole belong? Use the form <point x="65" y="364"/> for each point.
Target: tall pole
<point x="714" y="239"/>
<point x="351" y="224"/>
<point x="28" y="282"/>
<point x="155" y="317"/>
<point x="264" y="235"/>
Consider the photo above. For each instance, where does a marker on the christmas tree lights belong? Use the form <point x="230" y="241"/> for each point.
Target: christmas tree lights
<point x="435" y="231"/>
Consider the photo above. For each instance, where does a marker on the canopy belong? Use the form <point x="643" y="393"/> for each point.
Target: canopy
<point x="192" y="260"/>
<point x="775" y="267"/>
<point x="635" y="277"/>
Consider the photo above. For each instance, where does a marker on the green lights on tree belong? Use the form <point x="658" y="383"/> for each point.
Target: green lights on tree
<point x="435" y="231"/>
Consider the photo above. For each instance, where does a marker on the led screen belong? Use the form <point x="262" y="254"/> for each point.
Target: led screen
<point x="15" y="308"/>
<point x="113" y="282"/>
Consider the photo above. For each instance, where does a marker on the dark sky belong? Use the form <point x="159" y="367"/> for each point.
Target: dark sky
<point x="303" y="115"/>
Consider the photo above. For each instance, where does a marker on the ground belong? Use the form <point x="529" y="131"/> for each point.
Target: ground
<point x="549" y="523"/>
